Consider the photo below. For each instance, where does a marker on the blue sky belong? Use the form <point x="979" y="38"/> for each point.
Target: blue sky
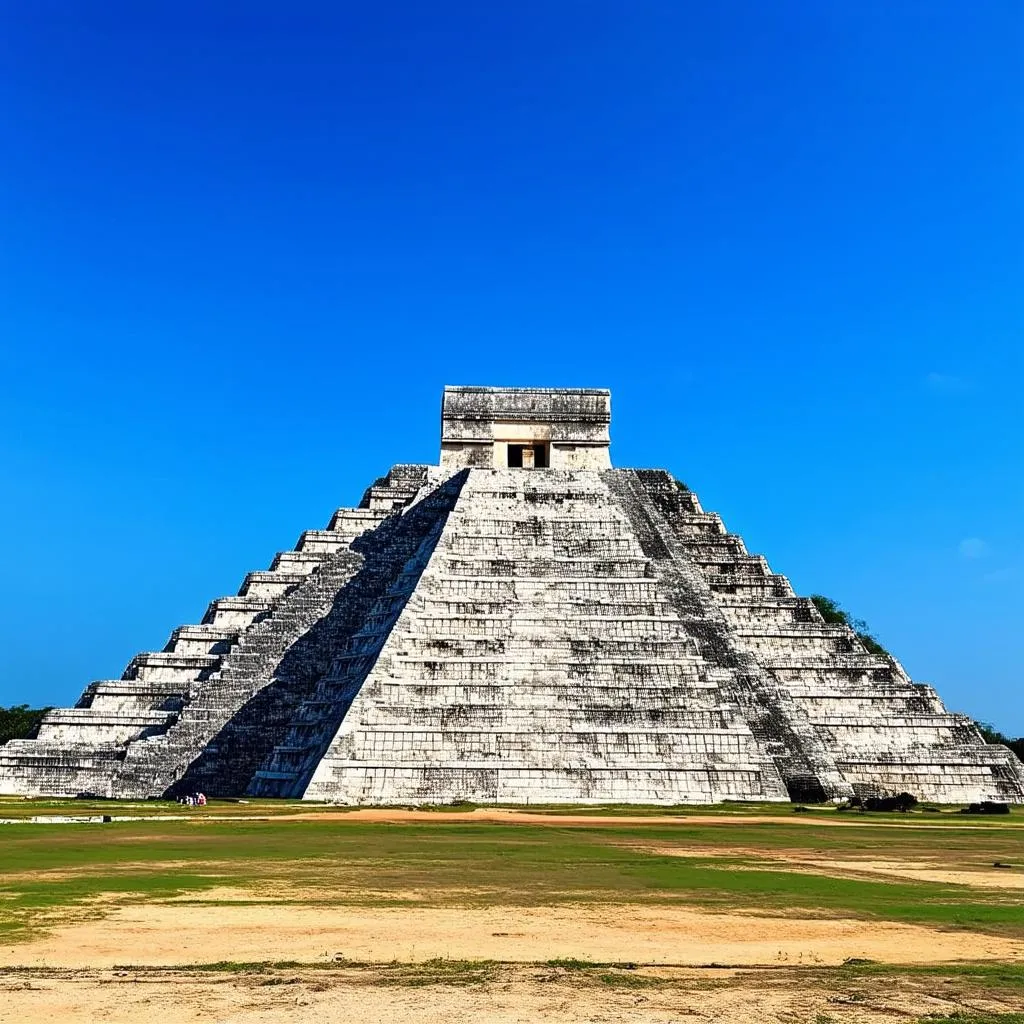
<point x="245" y="245"/>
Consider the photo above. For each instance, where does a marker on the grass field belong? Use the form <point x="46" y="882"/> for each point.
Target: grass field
<point x="619" y="904"/>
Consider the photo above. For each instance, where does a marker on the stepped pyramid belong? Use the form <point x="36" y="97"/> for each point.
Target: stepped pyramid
<point x="520" y="623"/>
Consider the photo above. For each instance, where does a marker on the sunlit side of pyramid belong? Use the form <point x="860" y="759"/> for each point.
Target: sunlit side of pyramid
<point x="521" y="623"/>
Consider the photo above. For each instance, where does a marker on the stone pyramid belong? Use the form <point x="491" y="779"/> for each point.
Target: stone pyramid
<point x="521" y="623"/>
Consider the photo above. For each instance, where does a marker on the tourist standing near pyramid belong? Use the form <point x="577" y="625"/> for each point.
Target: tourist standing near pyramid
<point x="519" y="623"/>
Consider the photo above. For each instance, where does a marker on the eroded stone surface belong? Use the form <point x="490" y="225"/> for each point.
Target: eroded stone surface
<point x="475" y="630"/>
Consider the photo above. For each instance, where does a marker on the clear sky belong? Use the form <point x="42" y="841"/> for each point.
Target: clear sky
<point x="246" y="244"/>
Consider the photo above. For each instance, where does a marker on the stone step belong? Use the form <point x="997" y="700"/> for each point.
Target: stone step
<point x="92" y="716"/>
<point x="527" y="691"/>
<point x="389" y="498"/>
<point x="605" y="586"/>
<point x="201" y="640"/>
<point x="554" y="719"/>
<point x="698" y="527"/>
<point x="714" y="549"/>
<point x="772" y="586"/>
<point x="395" y="763"/>
<point x="507" y="627"/>
<point x="424" y="669"/>
<point x="30" y="752"/>
<point x="237" y="612"/>
<point x="327" y="542"/>
<point x="551" y="650"/>
<point x="968" y="773"/>
<point x="351" y="522"/>
<point x="132" y="688"/>
<point x="298" y="562"/>
<point x="170" y="666"/>
<point x="564" y="569"/>
<point x="97" y="726"/>
<point x="284" y="775"/>
<point x="269" y="584"/>
<point x="547" y="526"/>
<point x="886" y="721"/>
<point x="542" y="547"/>
<point x="599" y="611"/>
<point x="807" y="661"/>
<point x="729" y="567"/>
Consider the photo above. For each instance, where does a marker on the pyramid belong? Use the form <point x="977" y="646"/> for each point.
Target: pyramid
<point x="521" y="623"/>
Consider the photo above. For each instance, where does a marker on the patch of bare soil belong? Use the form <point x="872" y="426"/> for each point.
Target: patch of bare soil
<point x="167" y="867"/>
<point x="508" y="995"/>
<point x="922" y="872"/>
<point x="915" y="870"/>
<point x="292" y="893"/>
<point x="169" y="934"/>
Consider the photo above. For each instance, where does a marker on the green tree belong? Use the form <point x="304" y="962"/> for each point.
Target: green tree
<point x="991" y="734"/>
<point x="833" y="613"/>
<point x="20" y="722"/>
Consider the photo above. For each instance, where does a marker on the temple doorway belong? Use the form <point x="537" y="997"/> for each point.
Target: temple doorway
<point x="527" y="456"/>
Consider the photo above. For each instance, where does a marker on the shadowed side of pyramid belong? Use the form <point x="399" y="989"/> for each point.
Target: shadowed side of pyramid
<point x="317" y="718"/>
<point x="217" y="744"/>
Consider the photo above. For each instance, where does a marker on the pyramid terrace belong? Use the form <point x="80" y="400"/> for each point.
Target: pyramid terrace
<point x="520" y="623"/>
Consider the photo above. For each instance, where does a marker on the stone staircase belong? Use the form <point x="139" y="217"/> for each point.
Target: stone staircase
<point x="204" y="673"/>
<point x="374" y="603"/>
<point x="524" y="636"/>
<point x="781" y="726"/>
<point x="526" y="655"/>
<point x="881" y="731"/>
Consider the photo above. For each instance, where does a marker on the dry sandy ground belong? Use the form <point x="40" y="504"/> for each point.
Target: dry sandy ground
<point x="401" y="816"/>
<point x="918" y="871"/>
<point x="980" y="878"/>
<point x="517" y="995"/>
<point x="411" y="816"/>
<point x="174" y="934"/>
<point x="69" y="974"/>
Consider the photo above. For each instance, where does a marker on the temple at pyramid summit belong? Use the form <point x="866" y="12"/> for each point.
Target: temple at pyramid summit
<point x="520" y="623"/>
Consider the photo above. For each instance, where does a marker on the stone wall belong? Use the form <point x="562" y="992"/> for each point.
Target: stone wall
<point x="479" y="424"/>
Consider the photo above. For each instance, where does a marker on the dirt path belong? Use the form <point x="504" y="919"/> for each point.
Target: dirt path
<point x="174" y="934"/>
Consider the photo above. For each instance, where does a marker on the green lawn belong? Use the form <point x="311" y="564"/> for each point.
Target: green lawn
<point x="52" y="871"/>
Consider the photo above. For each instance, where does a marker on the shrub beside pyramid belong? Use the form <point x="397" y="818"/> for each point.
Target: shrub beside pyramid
<point x="521" y="623"/>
